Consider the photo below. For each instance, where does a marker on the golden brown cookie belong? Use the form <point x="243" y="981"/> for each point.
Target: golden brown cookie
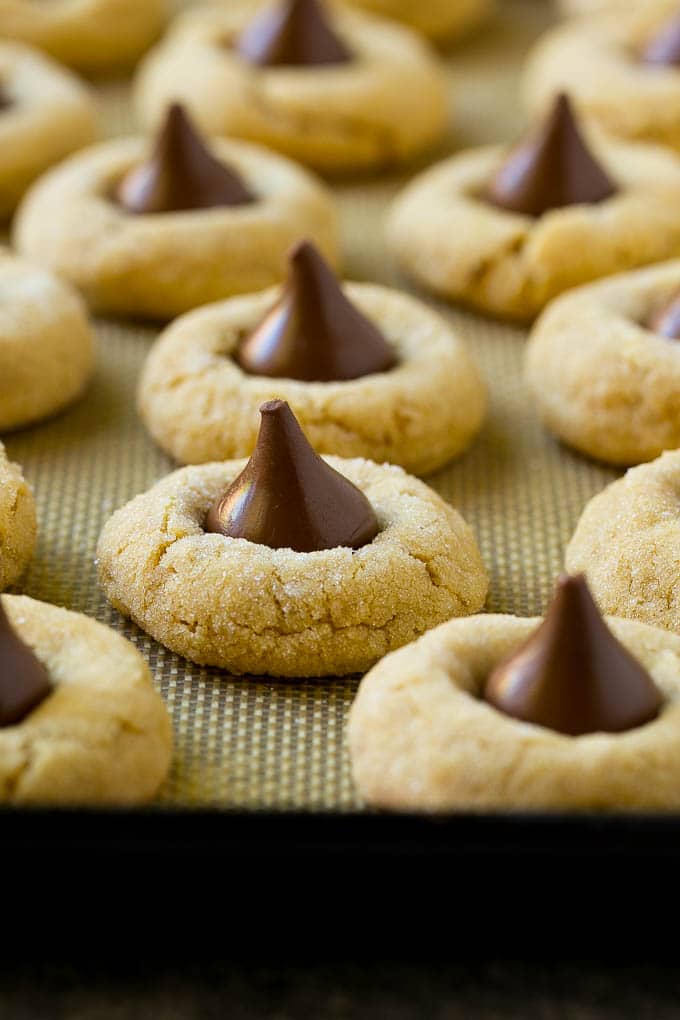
<point x="17" y="522"/>
<point x="628" y="540"/>
<point x="445" y="234"/>
<point x="199" y="405"/>
<point x="162" y="264"/>
<point x="46" y="345"/>
<point x="423" y="739"/>
<point x="381" y="107"/>
<point x="102" y="735"/>
<point x="45" y="114"/>
<point x="602" y="379"/>
<point x="93" y="36"/>
<point x="598" y="61"/>
<point x="248" y="608"/>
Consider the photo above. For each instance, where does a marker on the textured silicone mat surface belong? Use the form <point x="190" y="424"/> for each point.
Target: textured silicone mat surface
<point x="256" y="744"/>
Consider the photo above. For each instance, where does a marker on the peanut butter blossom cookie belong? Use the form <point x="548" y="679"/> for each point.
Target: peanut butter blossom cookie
<point x="628" y="542"/>
<point x="337" y="89"/>
<point x="46" y="345"/>
<point x="622" y="69"/>
<point x="80" y="722"/>
<point x="369" y="372"/>
<point x="91" y="35"/>
<point x="45" y="114"/>
<point x="441" y="20"/>
<point x="157" y="232"/>
<point x="289" y="564"/>
<point x="500" y="712"/>
<point x="508" y="231"/>
<point x="603" y="364"/>
<point x="17" y="522"/>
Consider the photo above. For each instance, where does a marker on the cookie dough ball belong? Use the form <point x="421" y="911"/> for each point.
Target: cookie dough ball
<point x="382" y="106"/>
<point x="160" y="264"/>
<point x="102" y="735"/>
<point x="46" y="345"/>
<point x="18" y="527"/>
<point x="627" y="542"/>
<point x="599" y="61"/>
<point x="445" y="233"/>
<point x="200" y="405"/>
<point x="249" y="608"/>
<point x="45" y="114"/>
<point x="422" y="738"/>
<point x="603" y="380"/>
<point x="440" y="20"/>
<point x="92" y="36"/>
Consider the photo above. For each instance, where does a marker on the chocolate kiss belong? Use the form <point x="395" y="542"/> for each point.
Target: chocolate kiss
<point x="181" y="174"/>
<point x="551" y="169"/>
<point x="24" y="681"/>
<point x="294" y="34"/>
<point x="287" y="497"/>
<point x="666" y="322"/>
<point x="572" y="675"/>
<point x="313" y="332"/>
<point x="664" y="47"/>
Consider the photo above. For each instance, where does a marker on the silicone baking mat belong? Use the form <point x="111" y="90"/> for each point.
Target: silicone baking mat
<point x="259" y="744"/>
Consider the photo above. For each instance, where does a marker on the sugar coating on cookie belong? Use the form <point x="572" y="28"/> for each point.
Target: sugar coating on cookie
<point x="444" y="232"/>
<point x="627" y="542"/>
<point x="102" y="735"/>
<point x="251" y="609"/>
<point x="93" y="36"/>
<point x="603" y="379"/>
<point x="422" y="738"/>
<point x="18" y="528"/>
<point x="599" y="60"/>
<point x="381" y="107"/>
<point x="162" y="264"/>
<point x="46" y="114"/>
<point x="440" y="20"/>
<point x="199" y="405"/>
<point x="46" y="344"/>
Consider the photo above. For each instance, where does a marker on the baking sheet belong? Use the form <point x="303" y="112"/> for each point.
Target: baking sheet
<point x="255" y="744"/>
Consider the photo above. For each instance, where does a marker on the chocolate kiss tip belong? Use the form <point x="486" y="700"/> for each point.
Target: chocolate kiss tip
<point x="314" y="333"/>
<point x="551" y="169"/>
<point x="664" y="47"/>
<point x="572" y="675"/>
<point x="24" y="681"/>
<point x="666" y="321"/>
<point x="181" y="174"/>
<point x="287" y="497"/>
<point x="296" y="33"/>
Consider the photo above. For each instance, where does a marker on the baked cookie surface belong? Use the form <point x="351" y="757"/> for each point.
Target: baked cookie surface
<point x="18" y="527"/>
<point x="102" y="735"/>
<point x="382" y="107"/>
<point x="440" y="20"/>
<point x="162" y="264"/>
<point x="603" y="381"/>
<point x="45" y="114"/>
<point x="444" y="233"/>
<point x="422" y="738"/>
<point x="200" y="405"/>
<point x="46" y="345"/>
<point x="627" y="541"/>
<point x="598" y="60"/>
<point x="89" y="35"/>
<point x="248" y="608"/>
